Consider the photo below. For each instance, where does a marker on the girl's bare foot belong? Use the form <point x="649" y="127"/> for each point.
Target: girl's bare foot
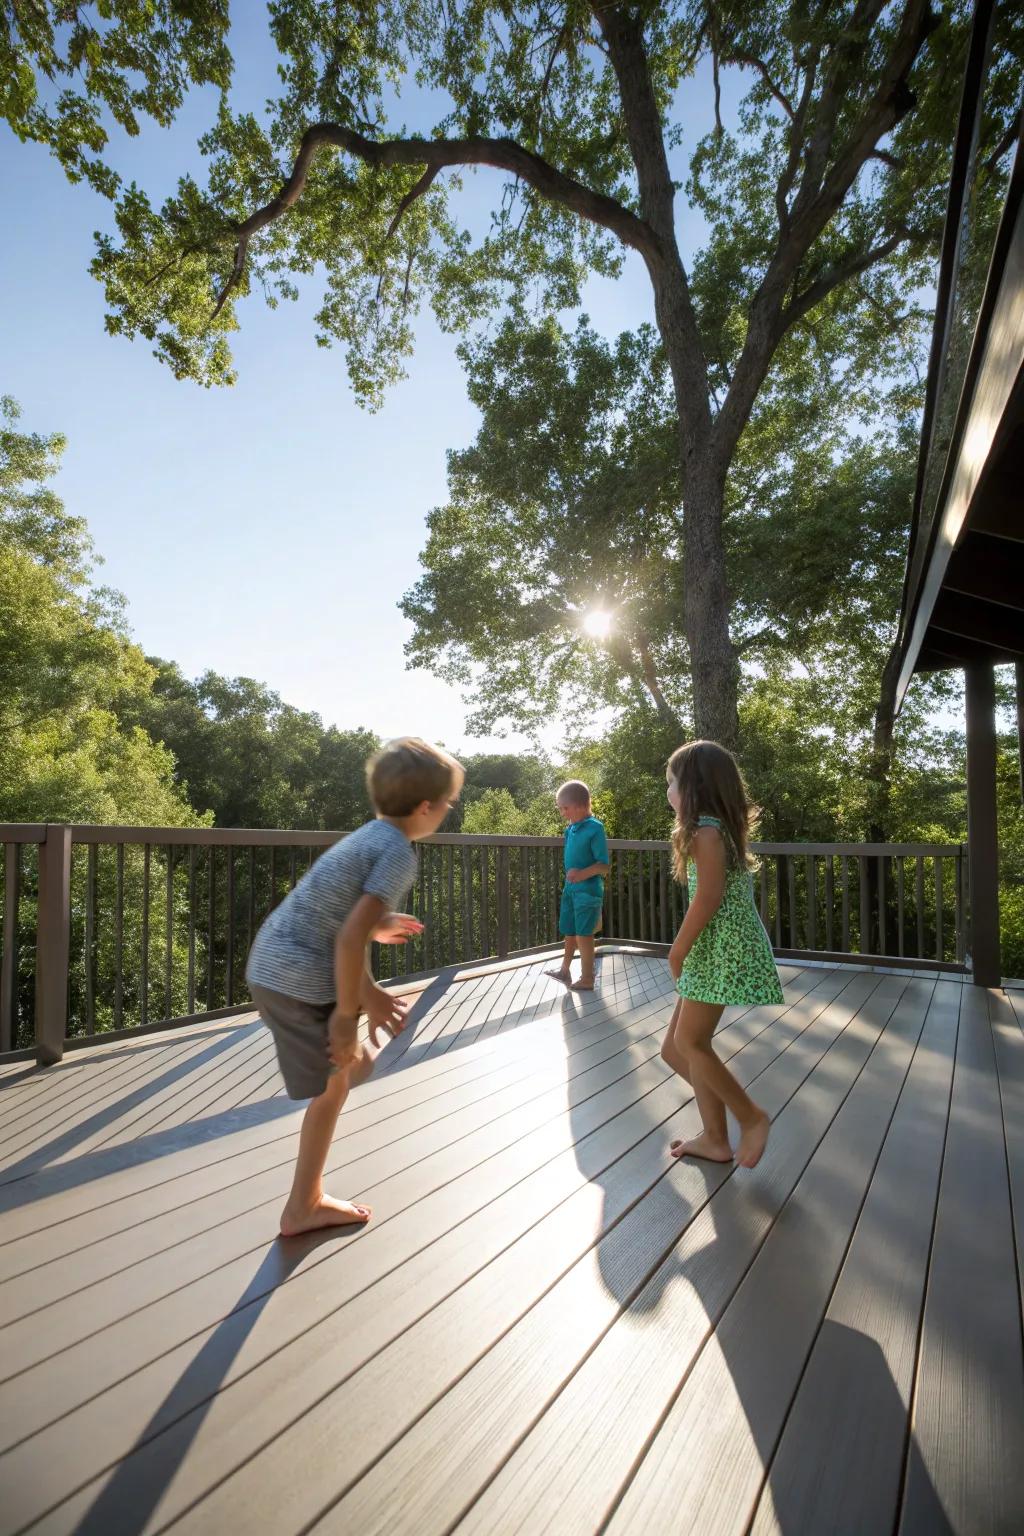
<point x="703" y="1146"/>
<point x="582" y="985"/>
<point x="560" y="975"/>
<point x="327" y="1212"/>
<point x="753" y="1142"/>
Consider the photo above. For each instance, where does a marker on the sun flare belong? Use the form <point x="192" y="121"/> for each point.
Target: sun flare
<point x="598" y="624"/>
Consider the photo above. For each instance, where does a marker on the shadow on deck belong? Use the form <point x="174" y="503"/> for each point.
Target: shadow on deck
<point x="548" y="1326"/>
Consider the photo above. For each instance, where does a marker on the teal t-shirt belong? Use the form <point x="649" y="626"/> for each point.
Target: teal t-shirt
<point x="585" y="844"/>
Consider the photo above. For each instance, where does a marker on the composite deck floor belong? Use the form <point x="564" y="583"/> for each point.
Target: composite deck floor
<point x="549" y="1325"/>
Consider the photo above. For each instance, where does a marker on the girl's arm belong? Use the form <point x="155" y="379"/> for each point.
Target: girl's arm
<point x="708" y="853"/>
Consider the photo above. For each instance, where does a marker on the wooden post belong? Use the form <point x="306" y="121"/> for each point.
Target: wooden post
<point x="53" y="938"/>
<point x="982" y="836"/>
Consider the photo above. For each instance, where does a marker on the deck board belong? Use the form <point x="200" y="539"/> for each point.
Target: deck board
<point x="868" y="1341"/>
<point x="964" y="1467"/>
<point x="548" y="1326"/>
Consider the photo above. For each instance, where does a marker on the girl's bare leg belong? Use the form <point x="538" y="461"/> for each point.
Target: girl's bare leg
<point x="713" y="1142"/>
<point x="672" y="1049"/>
<point x="713" y="1081"/>
<point x="308" y="1207"/>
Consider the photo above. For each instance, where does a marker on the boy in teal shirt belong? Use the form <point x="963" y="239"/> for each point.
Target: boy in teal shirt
<point x="586" y="864"/>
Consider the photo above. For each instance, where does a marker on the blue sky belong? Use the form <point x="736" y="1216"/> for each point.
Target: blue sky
<point x="269" y="529"/>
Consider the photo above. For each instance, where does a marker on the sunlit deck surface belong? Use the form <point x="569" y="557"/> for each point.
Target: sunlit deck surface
<point x="549" y="1325"/>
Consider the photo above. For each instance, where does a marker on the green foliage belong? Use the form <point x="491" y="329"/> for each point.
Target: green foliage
<point x="248" y="759"/>
<point x="69" y="668"/>
<point x="66" y="71"/>
<point x="495" y="813"/>
<point x="543" y="82"/>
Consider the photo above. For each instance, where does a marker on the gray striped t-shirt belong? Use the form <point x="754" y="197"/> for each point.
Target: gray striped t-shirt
<point x="294" y="950"/>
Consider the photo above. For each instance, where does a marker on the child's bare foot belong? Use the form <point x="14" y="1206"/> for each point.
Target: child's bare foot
<point x="561" y="975"/>
<point x="583" y="985"/>
<point x="327" y="1212"/>
<point x="703" y="1146"/>
<point x="753" y="1142"/>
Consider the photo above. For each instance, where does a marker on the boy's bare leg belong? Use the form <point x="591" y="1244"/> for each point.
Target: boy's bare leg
<point x="564" y="971"/>
<point x="308" y="1207"/>
<point x="586" y="981"/>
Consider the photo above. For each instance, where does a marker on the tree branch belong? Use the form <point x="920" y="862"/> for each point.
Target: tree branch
<point x="236" y="275"/>
<point x="436" y="155"/>
<point x="821" y="194"/>
<point x="424" y="184"/>
<point x="651" y="683"/>
<point x="843" y="271"/>
<point x="1008" y="138"/>
<point x="739" y="56"/>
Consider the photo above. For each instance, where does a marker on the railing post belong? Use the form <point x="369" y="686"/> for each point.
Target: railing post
<point x="501" y="873"/>
<point x="53" y="941"/>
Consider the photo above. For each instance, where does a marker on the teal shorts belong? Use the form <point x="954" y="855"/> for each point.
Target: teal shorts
<point x="580" y="911"/>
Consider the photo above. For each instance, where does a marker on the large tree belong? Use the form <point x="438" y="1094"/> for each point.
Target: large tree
<point x="568" y="501"/>
<point x="826" y="181"/>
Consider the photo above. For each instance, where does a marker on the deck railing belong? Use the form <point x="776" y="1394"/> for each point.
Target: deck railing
<point x="107" y="928"/>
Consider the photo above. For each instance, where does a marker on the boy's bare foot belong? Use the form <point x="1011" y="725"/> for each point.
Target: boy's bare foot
<point x="703" y="1146"/>
<point x="328" y="1212"/>
<point x="560" y="975"/>
<point x="753" y="1142"/>
<point x="583" y="985"/>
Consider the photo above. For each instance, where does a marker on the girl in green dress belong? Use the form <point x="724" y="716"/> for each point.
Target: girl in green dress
<point x="721" y="954"/>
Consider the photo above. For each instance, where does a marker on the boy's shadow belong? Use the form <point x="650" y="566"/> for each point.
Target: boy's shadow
<point x="134" y="1490"/>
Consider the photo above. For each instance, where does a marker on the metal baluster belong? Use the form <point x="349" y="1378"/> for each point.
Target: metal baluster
<point x="229" y="974"/>
<point x="211" y="898"/>
<point x="90" y="939"/>
<point x="119" y="938"/>
<point x="830" y="904"/>
<point x="144" y="977"/>
<point x="169" y="932"/>
<point x="192" y="929"/>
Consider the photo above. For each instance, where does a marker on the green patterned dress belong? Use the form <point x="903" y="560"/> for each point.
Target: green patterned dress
<point x="731" y="960"/>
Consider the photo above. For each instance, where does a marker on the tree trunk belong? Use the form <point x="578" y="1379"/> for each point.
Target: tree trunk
<point x="714" y="665"/>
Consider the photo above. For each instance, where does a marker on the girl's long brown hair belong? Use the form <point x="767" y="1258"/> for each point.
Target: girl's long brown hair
<point x="710" y="784"/>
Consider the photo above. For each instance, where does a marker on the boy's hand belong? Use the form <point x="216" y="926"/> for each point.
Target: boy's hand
<point x="398" y="928"/>
<point x="574" y="876"/>
<point x="343" y="1038"/>
<point x="384" y="1011"/>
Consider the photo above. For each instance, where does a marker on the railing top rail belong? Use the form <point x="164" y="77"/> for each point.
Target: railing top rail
<point x="282" y="837"/>
<point x="22" y="832"/>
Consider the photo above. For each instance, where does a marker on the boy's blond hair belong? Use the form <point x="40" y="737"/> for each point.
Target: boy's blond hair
<point x="406" y="772"/>
<point x="573" y="792"/>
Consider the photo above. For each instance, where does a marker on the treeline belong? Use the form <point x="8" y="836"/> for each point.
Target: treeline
<point x="92" y="730"/>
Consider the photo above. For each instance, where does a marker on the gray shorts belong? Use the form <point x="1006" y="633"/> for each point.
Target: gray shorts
<point x="300" y="1035"/>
